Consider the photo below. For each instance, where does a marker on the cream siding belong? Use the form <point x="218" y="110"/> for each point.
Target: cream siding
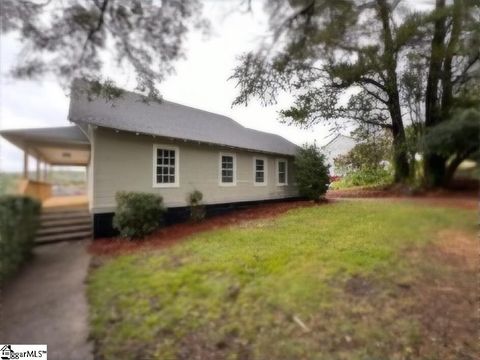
<point x="123" y="161"/>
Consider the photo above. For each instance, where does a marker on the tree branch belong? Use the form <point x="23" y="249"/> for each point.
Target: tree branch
<point x="92" y="32"/>
<point x="371" y="122"/>
<point x="376" y="96"/>
<point x="373" y="82"/>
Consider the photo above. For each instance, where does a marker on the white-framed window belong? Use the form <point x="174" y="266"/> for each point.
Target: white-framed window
<point x="227" y="169"/>
<point x="260" y="171"/>
<point x="282" y="172"/>
<point x="166" y="160"/>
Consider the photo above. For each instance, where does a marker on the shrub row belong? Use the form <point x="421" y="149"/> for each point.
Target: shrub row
<point x="139" y="214"/>
<point x="19" y="221"/>
<point x="364" y="177"/>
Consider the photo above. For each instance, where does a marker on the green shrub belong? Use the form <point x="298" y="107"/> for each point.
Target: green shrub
<point x="19" y="221"/>
<point x="311" y="172"/>
<point x="197" y="210"/>
<point x="364" y="177"/>
<point x="138" y="214"/>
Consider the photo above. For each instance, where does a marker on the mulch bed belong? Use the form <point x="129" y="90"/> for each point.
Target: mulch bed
<point x="172" y="234"/>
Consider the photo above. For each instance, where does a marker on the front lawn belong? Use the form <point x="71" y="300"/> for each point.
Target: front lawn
<point x="351" y="280"/>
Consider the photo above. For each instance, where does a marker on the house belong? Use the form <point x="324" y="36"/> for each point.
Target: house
<point x="338" y="146"/>
<point x="164" y="148"/>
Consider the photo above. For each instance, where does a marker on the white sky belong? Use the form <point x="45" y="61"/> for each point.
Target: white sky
<point x="200" y="81"/>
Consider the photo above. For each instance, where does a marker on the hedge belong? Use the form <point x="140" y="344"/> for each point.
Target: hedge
<point x="19" y="221"/>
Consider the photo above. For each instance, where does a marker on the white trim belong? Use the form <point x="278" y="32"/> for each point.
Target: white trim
<point x="91" y="168"/>
<point x="265" y="171"/>
<point x="277" y="161"/>
<point x="234" y="156"/>
<point x="176" y="184"/>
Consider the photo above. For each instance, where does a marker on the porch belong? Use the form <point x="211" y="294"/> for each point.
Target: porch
<point x="47" y="149"/>
<point x="66" y="202"/>
<point x="65" y="214"/>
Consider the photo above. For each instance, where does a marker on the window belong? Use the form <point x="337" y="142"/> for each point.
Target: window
<point x="227" y="169"/>
<point x="259" y="171"/>
<point x="165" y="166"/>
<point x="282" y="172"/>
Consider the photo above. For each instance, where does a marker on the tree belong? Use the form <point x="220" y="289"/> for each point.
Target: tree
<point x="311" y="172"/>
<point x="369" y="154"/>
<point x="456" y="140"/>
<point x="69" y="39"/>
<point x="327" y="49"/>
<point x="454" y="51"/>
<point x="373" y="53"/>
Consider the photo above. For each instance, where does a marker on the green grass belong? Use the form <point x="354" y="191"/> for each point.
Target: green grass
<point x="239" y="292"/>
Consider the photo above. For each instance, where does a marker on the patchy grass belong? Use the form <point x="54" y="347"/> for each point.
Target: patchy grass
<point x="352" y="280"/>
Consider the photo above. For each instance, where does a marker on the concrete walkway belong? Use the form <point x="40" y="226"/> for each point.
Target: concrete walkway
<point x="46" y="304"/>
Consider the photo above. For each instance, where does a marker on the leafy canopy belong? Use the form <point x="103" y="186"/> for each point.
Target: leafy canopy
<point x="81" y="38"/>
<point x="458" y="136"/>
<point x="366" y="155"/>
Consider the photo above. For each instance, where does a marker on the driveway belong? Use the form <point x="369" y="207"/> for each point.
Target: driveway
<point x="46" y="304"/>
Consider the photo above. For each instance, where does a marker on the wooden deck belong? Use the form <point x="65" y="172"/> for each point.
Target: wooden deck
<point x="59" y="202"/>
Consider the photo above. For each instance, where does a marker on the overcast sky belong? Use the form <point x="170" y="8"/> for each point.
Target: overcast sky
<point x="200" y="81"/>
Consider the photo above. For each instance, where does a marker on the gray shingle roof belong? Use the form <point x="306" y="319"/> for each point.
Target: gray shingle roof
<point x="131" y="113"/>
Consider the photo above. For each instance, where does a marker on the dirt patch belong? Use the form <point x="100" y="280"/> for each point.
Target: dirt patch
<point x="446" y="302"/>
<point x="457" y="248"/>
<point x="172" y="234"/>
<point x="209" y="344"/>
<point x="440" y="302"/>
<point x="359" y="286"/>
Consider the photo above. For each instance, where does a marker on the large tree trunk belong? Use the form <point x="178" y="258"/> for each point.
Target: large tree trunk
<point x="400" y="151"/>
<point x="434" y="164"/>
<point x="447" y="88"/>
<point x="452" y="167"/>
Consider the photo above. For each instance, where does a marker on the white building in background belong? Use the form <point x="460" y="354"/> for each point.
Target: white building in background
<point x="340" y="145"/>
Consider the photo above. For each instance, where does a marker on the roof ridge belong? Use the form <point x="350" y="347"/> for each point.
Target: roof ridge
<point x="205" y="111"/>
<point x="130" y="92"/>
<point x="336" y="137"/>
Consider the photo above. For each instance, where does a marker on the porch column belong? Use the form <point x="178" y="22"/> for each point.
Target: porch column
<point x="37" y="175"/>
<point x="45" y="171"/>
<point x="25" y="164"/>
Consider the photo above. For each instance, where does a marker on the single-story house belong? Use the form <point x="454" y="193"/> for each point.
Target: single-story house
<point x="338" y="146"/>
<point x="130" y="144"/>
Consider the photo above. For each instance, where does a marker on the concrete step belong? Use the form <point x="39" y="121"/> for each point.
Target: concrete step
<point x="67" y="236"/>
<point x="66" y="222"/>
<point x="64" y="225"/>
<point x="64" y="215"/>
<point x="64" y="229"/>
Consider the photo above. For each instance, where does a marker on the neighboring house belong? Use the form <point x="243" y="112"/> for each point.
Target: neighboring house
<point x="340" y="145"/>
<point x="163" y="148"/>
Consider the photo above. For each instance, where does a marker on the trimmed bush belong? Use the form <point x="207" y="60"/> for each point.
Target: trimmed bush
<point x="19" y="221"/>
<point x="197" y="210"/>
<point x="311" y="172"/>
<point x="138" y="214"/>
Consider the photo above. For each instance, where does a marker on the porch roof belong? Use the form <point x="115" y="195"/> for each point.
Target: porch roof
<point x="66" y="145"/>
